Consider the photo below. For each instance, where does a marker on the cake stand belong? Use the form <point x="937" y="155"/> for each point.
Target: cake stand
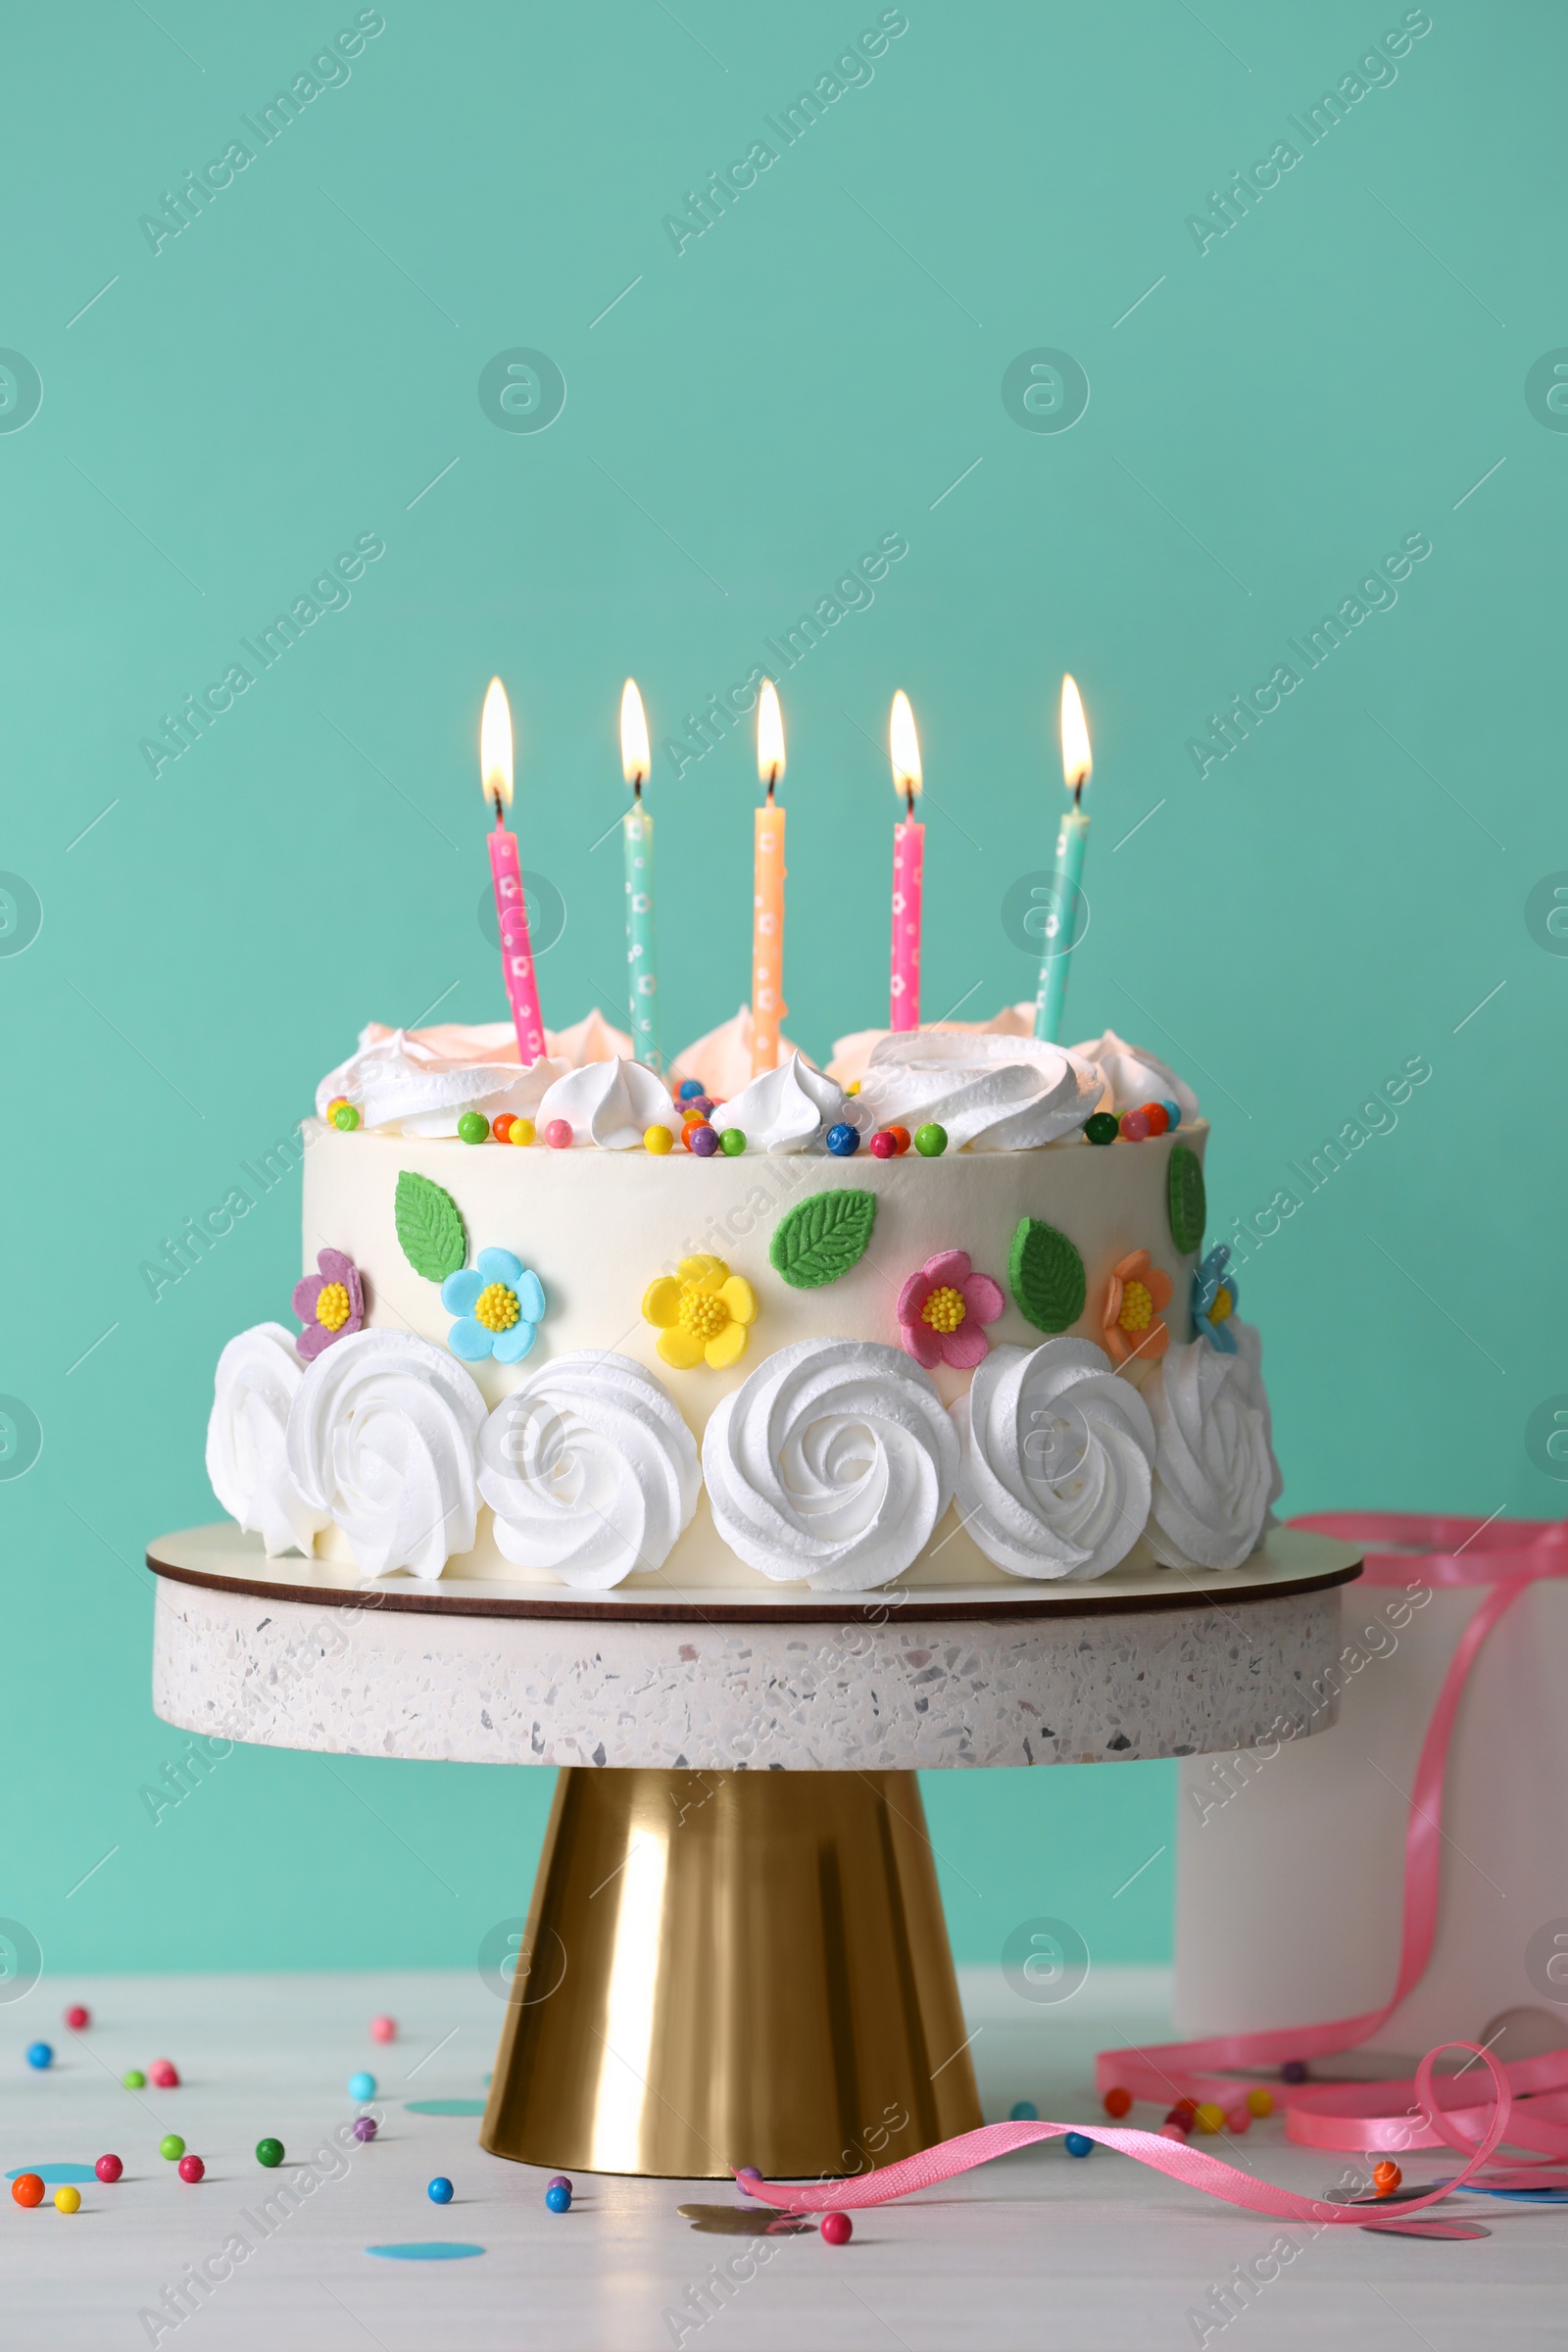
<point x="736" y="1952"/>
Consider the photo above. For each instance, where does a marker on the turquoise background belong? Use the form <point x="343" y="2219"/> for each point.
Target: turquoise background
<point x="300" y="365"/>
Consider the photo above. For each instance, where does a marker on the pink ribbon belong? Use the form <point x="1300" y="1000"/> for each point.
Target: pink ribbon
<point x="1529" y="2101"/>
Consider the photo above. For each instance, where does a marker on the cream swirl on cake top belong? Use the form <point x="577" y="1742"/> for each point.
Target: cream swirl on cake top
<point x="789" y="1109"/>
<point x="993" y="1094"/>
<point x="1135" y="1076"/>
<point x="1213" y="1464"/>
<point x="610" y="1104"/>
<point x="1056" y="1460"/>
<point x="382" y="1438"/>
<point x="590" y="1470"/>
<point x="422" y="1080"/>
<point x="831" y="1465"/>
<point x="259" y="1375"/>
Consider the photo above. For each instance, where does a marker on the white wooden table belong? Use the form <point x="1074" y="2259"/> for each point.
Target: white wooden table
<point x="1036" y="2251"/>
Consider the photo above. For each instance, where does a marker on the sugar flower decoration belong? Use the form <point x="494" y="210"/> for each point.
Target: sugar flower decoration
<point x="1215" y="1297"/>
<point x="701" y="1312"/>
<point x="330" y="1305"/>
<point x="501" y="1304"/>
<point x="1132" y="1323"/>
<point x="941" y="1311"/>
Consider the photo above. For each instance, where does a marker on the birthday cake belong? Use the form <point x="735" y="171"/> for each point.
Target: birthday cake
<point x="938" y="1313"/>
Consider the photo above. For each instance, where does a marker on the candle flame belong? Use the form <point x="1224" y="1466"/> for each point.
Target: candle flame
<point x="904" y="746"/>
<point x="1077" y="760"/>
<point x="633" y="735"/>
<point x="770" y="734"/>
<point x="495" y="747"/>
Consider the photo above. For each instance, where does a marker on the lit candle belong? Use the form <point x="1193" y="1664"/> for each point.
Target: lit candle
<point x="909" y="869"/>
<point x="767" y="901"/>
<point x="637" y="842"/>
<point x="1065" y="882"/>
<point x="512" y="908"/>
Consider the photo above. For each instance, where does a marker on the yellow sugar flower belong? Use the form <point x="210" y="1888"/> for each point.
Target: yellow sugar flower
<point x="701" y="1313"/>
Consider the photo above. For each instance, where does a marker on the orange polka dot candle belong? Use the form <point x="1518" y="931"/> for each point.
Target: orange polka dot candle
<point x="506" y="873"/>
<point x="909" y="869"/>
<point x="767" y="893"/>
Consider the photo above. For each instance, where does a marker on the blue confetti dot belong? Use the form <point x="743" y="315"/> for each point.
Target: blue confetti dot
<point x="439" y="2191"/>
<point x="39" y="2054"/>
<point x="427" y="2249"/>
<point x="1077" y="2145"/>
<point x="1023" y="2111"/>
<point x="843" y="1141"/>
<point x="361" y="2086"/>
<point x="558" y="2198"/>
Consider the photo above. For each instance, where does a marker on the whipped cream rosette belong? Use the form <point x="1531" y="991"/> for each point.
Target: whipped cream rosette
<point x="722" y="1060"/>
<point x="790" y="1108"/>
<point x="1056" y="1460"/>
<point x="1213" y="1464"/>
<point x="993" y="1094"/>
<point x="1136" y="1077"/>
<point x="590" y="1470"/>
<point x="831" y="1465"/>
<point x="258" y="1377"/>
<point x="610" y="1104"/>
<point x="382" y="1438"/>
<point x="422" y="1081"/>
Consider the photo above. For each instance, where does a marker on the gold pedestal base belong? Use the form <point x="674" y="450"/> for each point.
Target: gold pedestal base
<point x="727" y="1971"/>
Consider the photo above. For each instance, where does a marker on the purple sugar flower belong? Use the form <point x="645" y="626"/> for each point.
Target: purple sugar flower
<point x="330" y="1305"/>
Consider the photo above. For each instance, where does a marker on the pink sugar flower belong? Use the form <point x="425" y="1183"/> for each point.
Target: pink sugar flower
<point x="330" y="1305"/>
<point x="941" y="1311"/>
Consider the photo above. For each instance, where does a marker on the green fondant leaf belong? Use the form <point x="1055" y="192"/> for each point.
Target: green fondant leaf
<point x="429" y="1227"/>
<point x="1046" y="1275"/>
<point x="1185" y="1198"/>
<point x="823" y="1237"/>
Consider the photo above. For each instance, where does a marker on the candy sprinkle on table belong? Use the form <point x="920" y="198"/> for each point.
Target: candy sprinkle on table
<point x="192" y="2169"/>
<point x="28" y="2189"/>
<point x="109" y="2168"/>
<point x="559" y="2196"/>
<point x="39" y="2054"/>
<point x="439" y="2191"/>
<point x="77" y="2019"/>
<point x="68" y="2200"/>
<point x="361" y="2086"/>
<point x="837" y="2228"/>
<point x="269" y="2152"/>
<point x="171" y="2148"/>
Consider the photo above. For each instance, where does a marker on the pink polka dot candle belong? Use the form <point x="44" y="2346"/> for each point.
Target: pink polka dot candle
<point x="909" y="869"/>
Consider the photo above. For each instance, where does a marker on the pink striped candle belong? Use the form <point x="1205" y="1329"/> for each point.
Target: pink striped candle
<point x="909" y="870"/>
<point x="505" y="874"/>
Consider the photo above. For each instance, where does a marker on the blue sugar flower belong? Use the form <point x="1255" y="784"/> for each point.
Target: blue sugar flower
<point x="1214" y="1297"/>
<point x="501" y="1305"/>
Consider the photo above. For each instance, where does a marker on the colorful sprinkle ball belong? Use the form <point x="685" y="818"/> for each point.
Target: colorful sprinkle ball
<point x="931" y="1141"/>
<point x="191" y="2168"/>
<point x="269" y="2152"/>
<point x="474" y="1127"/>
<point x="688" y="1090"/>
<point x="703" y="1140"/>
<point x="1077" y="2143"/>
<point x="335" y="1105"/>
<point x="361" y="2086"/>
<point x="133" y="2078"/>
<point x="1209" y="2117"/>
<point x="657" y="1140"/>
<point x="1294" y="2070"/>
<point x="557" y="1135"/>
<point x="109" y="2168"/>
<point x="1135" y="1127"/>
<point x="698" y="1106"/>
<point x="1023" y="2111"/>
<point x="559" y="2180"/>
<point x="501" y="1126"/>
<point x="77" y="2019"/>
<point x="439" y="2191"/>
<point x="28" y="2189"/>
<point x="521" y="1131"/>
<point x="558" y="2198"/>
<point x="853" y="1087"/>
<point x="346" y="1118"/>
<point x="1171" y="2131"/>
<point x="1386" y="2177"/>
<point x="733" y="1143"/>
<point x="171" y="2148"/>
<point x="1117" y="2102"/>
<point x="843" y="1140"/>
<point x="1173" y="1117"/>
<point x="743" y="2177"/>
<point x="1183" y="2113"/>
<point x="1103" y="1128"/>
<point x="164" y="2074"/>
<point x="883" y="1146"/>
<point x="1261" y="2101"/>
<point x="900" y="1140"/>
<point x="383" y="2029"/>
<point x="39" y="2054"/>
<point x="1239" y="2118"/>
<point x="837" y="2228"/>
<point x="68" y="2200"/>
<point x="365" y="2128"/>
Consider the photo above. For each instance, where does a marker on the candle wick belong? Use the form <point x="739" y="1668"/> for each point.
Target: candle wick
<point x="496" y="801"/>
<point x="909" y="800"/>
<point x="636" y="791"/>
<point x="772" y="775"/>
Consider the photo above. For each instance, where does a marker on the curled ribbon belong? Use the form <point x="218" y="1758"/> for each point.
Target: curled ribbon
<point x="1528" y="2105"/>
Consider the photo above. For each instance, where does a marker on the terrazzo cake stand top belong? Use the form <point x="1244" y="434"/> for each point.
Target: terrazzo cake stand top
<point x="736" y="1952"/>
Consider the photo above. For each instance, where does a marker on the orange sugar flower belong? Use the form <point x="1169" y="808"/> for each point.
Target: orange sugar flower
<point x="1132" y="1323"/>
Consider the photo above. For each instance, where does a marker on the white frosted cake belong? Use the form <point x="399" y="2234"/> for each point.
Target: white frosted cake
<point x="939" y="1315"/>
